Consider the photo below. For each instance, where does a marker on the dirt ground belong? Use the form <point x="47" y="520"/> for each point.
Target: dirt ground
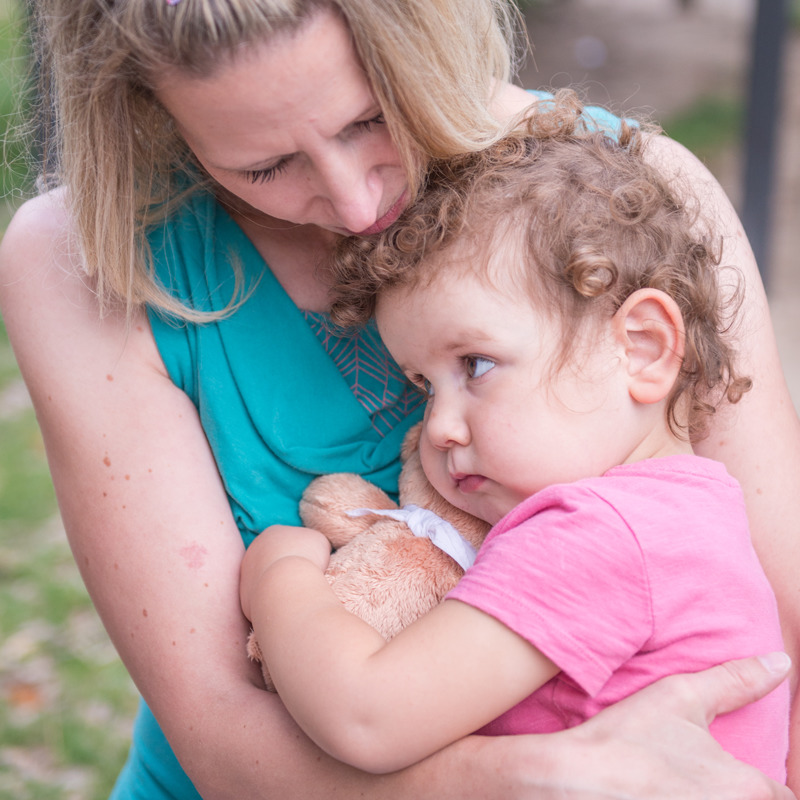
<point x="657" y="58"/>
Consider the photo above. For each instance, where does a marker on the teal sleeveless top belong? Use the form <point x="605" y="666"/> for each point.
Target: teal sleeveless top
<point x="281" y="399"/>
<point x="275" y="407"/>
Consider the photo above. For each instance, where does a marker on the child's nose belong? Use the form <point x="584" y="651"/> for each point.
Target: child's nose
<point x="446" y="425"/>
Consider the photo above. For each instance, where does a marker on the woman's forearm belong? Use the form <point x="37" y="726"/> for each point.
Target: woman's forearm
<point x="652" y="746"/>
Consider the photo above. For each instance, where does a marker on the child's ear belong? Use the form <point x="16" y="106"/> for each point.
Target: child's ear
<point x="649" y="327"/>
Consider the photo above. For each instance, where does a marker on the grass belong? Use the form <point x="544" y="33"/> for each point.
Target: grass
<point x="15" y="176"/>
<point x="66" y="701"/>
<point x="709" y="126"/>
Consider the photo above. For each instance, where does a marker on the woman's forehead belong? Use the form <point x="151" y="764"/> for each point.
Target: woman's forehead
<point x="262" y="103"/>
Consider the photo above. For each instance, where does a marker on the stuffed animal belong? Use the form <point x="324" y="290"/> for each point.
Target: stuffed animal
<point x="381" y="570"/>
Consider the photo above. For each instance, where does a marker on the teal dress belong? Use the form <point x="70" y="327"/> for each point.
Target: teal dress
<point x="281" y="400"/>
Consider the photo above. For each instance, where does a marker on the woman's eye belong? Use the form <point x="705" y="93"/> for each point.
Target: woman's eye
<point x="478" y="366"/>
<point x="366" y="124"/>
<point x="266" y="175"/>
<point x="270" y="173"/>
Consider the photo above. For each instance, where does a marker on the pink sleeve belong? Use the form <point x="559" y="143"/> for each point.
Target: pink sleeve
<point x="568" y="577"/>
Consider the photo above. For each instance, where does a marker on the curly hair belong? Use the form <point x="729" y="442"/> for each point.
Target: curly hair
<point x="592" y="221"/>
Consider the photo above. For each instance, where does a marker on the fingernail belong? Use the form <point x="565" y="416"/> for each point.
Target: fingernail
<point x="777" y="663"/>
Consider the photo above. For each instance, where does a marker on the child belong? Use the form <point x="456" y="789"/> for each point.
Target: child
<point x="555" y="301"/>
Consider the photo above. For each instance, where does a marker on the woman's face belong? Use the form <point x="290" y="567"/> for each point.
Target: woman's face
<point x="292" y="128"/>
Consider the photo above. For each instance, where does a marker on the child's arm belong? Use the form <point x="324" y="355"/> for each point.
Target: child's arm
<point x="377" y="705"/>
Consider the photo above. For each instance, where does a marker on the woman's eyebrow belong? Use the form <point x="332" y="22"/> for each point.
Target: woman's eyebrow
<point x="372" y="110"/>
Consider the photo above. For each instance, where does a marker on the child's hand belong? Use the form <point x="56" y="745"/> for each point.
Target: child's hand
<point x="275" y="543"/>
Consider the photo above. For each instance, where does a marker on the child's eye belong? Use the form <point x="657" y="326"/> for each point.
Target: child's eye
<point x="423" y="384"/>
<point x="266" y="175"/>
<point x="478" y="366"/>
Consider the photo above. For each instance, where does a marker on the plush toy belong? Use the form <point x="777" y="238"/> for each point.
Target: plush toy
<point x="382" y="570"/>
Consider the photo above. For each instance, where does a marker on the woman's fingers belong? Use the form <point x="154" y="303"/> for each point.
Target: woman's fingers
<point x="737" y="683"/>
<point x="657" y="740"/>
<point x="701" y="696"/>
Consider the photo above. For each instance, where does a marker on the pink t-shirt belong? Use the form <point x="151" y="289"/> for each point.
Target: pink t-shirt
<point x="624" y="579"/>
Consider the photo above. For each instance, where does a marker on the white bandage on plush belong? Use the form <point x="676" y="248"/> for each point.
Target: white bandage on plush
<point x="424" y="524"/>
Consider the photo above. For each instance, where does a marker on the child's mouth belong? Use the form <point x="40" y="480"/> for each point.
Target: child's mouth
<point x="469" y="483"/>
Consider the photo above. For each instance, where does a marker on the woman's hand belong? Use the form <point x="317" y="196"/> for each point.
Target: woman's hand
<point x="653" y="745"/>
<point x="273" y="544"/>
<point x="668" y="722"/>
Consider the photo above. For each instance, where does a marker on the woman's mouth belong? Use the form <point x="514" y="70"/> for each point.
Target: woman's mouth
<point x="388" y="218"/>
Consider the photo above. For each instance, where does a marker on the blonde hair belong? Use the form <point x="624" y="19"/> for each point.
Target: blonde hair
<point x="432" y="64"/>
<point x="591" y="222"/>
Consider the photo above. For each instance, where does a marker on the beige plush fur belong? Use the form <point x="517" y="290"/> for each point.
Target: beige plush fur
<point x="380" y="570"/>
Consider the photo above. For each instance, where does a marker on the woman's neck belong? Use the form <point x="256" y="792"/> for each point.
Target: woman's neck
<point x="296" y="254"/>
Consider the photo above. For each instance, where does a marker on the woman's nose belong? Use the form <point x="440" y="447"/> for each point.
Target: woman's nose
<point x="353" y="188"/>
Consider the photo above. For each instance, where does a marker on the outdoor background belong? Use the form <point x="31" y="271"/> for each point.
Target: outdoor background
<point x="66" y="703"/>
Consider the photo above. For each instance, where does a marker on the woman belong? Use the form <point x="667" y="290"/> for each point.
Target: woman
<point x="234" y="133"/>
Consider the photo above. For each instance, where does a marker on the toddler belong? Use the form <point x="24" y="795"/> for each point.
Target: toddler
<point x="561" y="308"/>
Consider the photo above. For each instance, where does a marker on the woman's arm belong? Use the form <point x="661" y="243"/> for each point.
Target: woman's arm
<point x="758" y="439"/>
<point x="152" y="532"/>
<point x="380" y="706"/>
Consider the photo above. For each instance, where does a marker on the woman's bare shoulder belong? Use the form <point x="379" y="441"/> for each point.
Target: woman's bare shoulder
<point x="45" y="214"/>
<point x="510" y="100"/>
<point x="38" y="240"/>
<point x="49" y="304"/>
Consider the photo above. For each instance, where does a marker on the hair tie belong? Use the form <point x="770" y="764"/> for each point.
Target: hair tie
<point x="173" y="2"/>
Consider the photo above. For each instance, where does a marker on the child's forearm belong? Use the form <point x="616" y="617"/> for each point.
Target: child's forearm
<point x="318" y="656"/>
<point x="383" y="706"/>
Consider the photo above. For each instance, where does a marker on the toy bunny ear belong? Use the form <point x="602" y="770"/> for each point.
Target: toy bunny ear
<point x="649" y="327"/>
<point x="411" y="442"/>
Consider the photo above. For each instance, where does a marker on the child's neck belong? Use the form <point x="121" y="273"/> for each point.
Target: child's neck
<point x="659" y="443"/>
